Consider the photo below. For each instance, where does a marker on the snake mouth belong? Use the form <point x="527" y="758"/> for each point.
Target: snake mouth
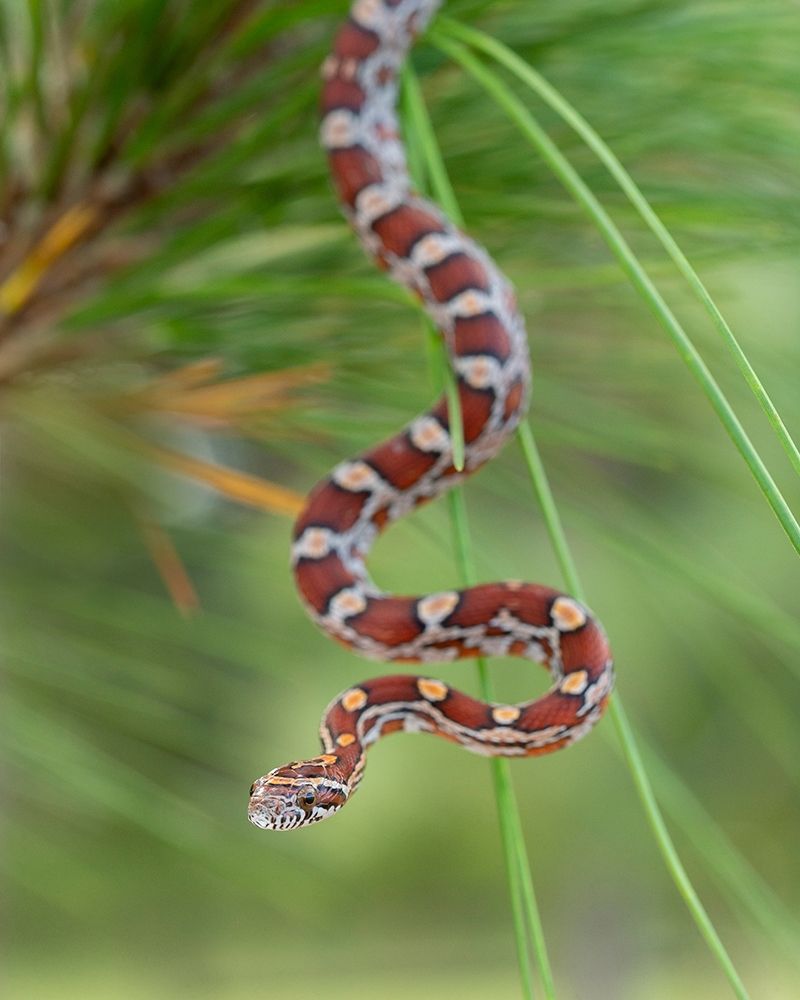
<point x="269" y="813"/>
<point x="273" y="812"/>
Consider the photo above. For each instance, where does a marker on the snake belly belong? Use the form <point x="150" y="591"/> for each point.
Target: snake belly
<point x="474" y="308"/>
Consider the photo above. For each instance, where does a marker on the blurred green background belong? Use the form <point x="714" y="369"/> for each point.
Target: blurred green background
<point x="175" y="280"/>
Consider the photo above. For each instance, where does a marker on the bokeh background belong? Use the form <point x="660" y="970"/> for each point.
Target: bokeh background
<point x="180" y="299"/>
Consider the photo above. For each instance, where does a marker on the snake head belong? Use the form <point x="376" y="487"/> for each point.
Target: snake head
<point x="297" y="794"/>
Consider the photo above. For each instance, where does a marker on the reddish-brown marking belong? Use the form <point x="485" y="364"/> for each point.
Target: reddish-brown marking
<point x="352" y="170"/>
<point x="587" y="648"/>
<point x="476" y="408"/>
<point x="319" y="579"/>
<point x="394" y="687"/>
<point x="346" y="760"/>
<point x="339" y="93"/>
<point x="400" y="229"/>
<point x="392" y="726"/>
<point x="384" y="76"/>
<point x="513" y="399"/>
<point x="456" y="274"/>
<point x="467" y="711"/>
<point x="382" y="260"/>
<point x="331" y="507"/>
<point x="339" y="720"/>
<point x="531" y="603"/>
<point x="528" y="602"/>
<point x="355" y="42"/>
<point x="477" y="605"/>
<point x="549" y="748"/>
<point x="399" y="463"/>
<point x="380" y="518"/>
<point x="389" y="620"/>
<point x="483" y="334"/>
<point x="552" y="709"/>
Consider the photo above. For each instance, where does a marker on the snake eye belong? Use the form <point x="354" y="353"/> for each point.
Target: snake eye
<point x="306" y="798"/>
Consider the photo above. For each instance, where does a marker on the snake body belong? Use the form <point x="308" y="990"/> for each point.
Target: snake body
<point x="474" y="307"/>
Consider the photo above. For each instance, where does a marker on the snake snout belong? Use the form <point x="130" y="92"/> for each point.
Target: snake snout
<point x="271" y="808"/>
<point x="264" y="811"/>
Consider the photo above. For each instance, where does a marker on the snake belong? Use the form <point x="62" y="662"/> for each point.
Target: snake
<point x="474" y="308"/>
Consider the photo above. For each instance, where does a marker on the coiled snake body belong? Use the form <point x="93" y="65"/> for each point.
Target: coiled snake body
<point x="473" y="306"/>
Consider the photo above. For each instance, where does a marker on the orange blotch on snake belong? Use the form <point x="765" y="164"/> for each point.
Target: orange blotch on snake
<point x="354" y="699"/>
<point x="347" y="603"/>
<point x="505" y="714"/>
<point x="432" y="690"/>
<point x="436" y="607"/>
<point x="574" y="683"/>
<point x="567" y="614"/>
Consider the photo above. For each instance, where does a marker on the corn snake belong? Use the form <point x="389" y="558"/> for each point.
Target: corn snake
<point x="474" y="307"/>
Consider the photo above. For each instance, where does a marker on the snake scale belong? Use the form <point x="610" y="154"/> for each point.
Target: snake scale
<point x="474" y="308"/>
